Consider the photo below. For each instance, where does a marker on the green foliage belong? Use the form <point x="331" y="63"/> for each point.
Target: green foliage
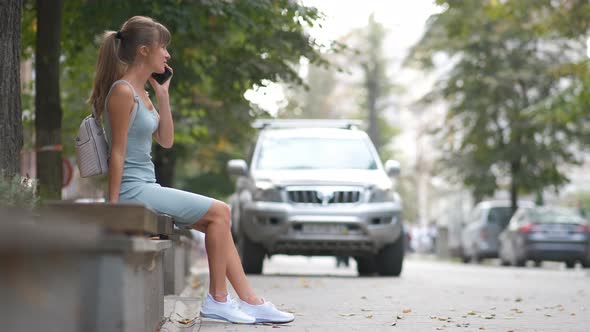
<point x="16" y="191"/>
<point x="513" y="106"/>
<point x="219" y="50"/>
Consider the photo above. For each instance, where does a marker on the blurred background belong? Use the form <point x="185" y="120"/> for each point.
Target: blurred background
<point x="485" y="104"/>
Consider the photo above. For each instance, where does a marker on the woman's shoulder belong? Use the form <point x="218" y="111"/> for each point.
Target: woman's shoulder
<point x="122" y="96"/>
<point x="122" y="88"/>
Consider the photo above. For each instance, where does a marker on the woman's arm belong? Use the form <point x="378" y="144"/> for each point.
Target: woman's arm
<point x="164" y="135"/>
<point x="119" y="105"/>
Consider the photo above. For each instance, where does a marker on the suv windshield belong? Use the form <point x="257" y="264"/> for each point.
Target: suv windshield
<point x="500" y="216"/>
<point x="281" y="153"/>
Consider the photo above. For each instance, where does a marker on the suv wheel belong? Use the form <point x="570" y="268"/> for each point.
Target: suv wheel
<point x="390" y="259"/>
<point x="252" y="255"/>
<point x="366" y="265"/>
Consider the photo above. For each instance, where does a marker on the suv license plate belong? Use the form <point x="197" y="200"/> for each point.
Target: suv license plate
<point x="324" y="229"/>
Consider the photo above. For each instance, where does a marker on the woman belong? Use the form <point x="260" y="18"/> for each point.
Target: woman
<point x="126" y="60"/>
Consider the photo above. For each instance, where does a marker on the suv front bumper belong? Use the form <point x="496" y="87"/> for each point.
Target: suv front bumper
<point x="336" y="229"/>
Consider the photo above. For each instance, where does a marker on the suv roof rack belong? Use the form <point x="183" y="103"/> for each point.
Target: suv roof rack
<point x="307" y="123"/>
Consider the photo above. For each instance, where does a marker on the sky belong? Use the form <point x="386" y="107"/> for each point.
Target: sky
<point x="403" y="19"/>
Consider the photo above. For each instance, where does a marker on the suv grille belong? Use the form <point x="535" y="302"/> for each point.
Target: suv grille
<point x="323" y="197"/>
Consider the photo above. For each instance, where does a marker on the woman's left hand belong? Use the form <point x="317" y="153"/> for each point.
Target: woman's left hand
<point x="161" y="90"/>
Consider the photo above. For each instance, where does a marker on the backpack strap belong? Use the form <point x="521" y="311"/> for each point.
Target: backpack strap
<point x="135" y="107"/>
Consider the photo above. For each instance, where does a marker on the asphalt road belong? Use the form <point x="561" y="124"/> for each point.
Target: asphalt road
<point x="430" y="296"/>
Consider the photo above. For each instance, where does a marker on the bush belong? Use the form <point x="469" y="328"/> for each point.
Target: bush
<point x="16" y="191"/>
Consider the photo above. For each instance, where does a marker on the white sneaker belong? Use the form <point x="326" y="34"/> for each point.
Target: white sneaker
<point x="266" y="313"/>
<point x="228" y="311"/>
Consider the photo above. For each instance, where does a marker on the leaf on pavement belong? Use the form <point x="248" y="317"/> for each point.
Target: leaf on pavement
<point x="518" y="299"/>
<point x="400" y="317"/>
<point x="369" y="316"/>
<point x="407" y="311"/>
<point x="347" y="315"/>
<point x="394" y="324"/>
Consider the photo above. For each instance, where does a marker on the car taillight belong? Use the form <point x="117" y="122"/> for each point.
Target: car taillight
<point x="527" y="228"/>
<point x="583" y="229"/>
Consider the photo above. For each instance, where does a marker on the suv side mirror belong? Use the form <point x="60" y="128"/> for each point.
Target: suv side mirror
<point x="237" y="167"/>
<point x="392" y="168"/>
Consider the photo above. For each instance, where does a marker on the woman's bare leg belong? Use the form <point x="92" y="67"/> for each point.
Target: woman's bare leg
<point x="236" y="275"/>
<point x="215" y="224"/>
<point x="222" y="255"/>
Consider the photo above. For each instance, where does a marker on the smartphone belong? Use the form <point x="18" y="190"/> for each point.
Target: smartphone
<point x="163" y="77"/>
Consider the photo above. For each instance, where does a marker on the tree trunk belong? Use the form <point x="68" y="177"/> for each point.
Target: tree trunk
<point x="514" y="173"/>
<point x="164" y="161"/>
<point x="11" y="128"/>
<point x="372" y="96"/>
<point x="48" y="114"/>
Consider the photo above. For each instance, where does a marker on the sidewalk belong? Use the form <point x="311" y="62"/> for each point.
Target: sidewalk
<point x="181" y="312"/>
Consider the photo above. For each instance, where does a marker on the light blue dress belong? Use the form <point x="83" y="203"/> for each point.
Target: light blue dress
<point x="138" y="184"/>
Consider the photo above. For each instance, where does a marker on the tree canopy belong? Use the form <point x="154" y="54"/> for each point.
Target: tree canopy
<point x="514" y="90"/>
<point x="219" y="50"/>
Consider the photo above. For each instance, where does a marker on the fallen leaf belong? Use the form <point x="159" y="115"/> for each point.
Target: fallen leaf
<point x="518" y="299"/>
<point x="195" y="283"/>
<point x="472" y="313"/>
<point x="346" y="315"/>
<point x="400" y="317"/>
<point x="439" y="328"/>
<point x="573" y="314"/>
<point x="482" y="328"/>
<point x="366" y="310"/>
<point x="443" y="318"/>
<point x="394" y="324"/>
<point x="487" y="317"/>
<point x="493" y="308"/>
<point x="508" y="317"/>
<point x="185" y="321"/>
<point x="407" y="311"/>
<point x="433" y="317"/>
<point x="369" y="316"/>
<point x="547" y="315"/>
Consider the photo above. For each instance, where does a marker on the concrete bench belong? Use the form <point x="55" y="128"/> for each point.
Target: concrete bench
<point x="83" y="267"/>
<point x="178" y="259"/>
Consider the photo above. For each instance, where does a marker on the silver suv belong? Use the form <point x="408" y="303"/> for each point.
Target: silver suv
<point x="317" y="187"/>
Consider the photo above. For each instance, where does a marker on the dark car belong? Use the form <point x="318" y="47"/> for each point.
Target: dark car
<point x="546" y="234"/>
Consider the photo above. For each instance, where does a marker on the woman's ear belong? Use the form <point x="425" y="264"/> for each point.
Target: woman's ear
<point x="144" y="50"/>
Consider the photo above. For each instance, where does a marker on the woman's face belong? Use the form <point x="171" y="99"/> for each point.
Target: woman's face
<point x="158" y="58"/>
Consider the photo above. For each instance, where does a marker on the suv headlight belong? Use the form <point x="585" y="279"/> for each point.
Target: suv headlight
<point x="380" y="195"/>
<point x="267" y="192"/>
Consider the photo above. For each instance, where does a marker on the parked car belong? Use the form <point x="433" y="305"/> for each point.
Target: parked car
<point x="546" y="234"/>
<point x="317" y="188"/>
<point x="479" y="237"/>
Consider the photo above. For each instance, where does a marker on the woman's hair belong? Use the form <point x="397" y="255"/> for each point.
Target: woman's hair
<point x="118" y="50"/>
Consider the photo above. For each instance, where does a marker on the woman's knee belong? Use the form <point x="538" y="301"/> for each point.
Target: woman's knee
<point x="222" y="214"/>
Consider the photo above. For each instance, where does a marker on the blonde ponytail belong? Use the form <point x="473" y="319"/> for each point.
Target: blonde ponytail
<point x="109" y="68"/>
